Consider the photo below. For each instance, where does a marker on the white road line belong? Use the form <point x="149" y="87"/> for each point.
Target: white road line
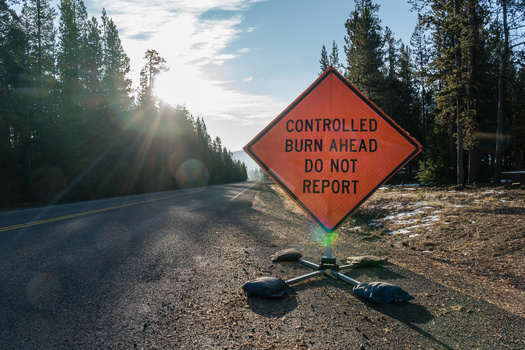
<point x="238" y="194"/>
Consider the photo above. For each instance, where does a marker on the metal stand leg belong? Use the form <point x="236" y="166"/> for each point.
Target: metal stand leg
<point x="345" y="278"/>
<point x="383" y="293"/>
<point x="328" y="267"/>
<point x="304" y="277"/>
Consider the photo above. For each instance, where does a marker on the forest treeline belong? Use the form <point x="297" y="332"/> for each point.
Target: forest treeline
<point x="72" y="128"/>
<point x="458" y="87"/>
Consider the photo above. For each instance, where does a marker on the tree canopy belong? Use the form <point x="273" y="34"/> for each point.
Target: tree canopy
<point x="71" y="128"/>
<point x="457" y="87"/>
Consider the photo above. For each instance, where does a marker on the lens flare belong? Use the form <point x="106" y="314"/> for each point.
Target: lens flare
<point x="192" y="173"/>
<point x="42" y="290"/>
<point x="321" y="237"/>
<point x="48" y="182"/>
<point x="486" y="141"/>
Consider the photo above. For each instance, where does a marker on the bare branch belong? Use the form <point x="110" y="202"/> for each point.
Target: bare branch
<point x="516" y="45"/>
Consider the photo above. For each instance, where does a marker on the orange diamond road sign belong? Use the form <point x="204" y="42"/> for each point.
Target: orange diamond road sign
<point x="331" y="149"/>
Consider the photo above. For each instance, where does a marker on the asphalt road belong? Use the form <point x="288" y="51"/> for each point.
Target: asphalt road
<point x="65" y="270"/>
<point x="165" y="271"/>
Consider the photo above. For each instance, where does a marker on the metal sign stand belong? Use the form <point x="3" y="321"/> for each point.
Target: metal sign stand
<point x="328" y="267"/>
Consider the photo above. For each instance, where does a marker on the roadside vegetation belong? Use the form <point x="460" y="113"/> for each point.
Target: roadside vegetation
<point x="458" y="87"/>
<point x="72" y="128"/>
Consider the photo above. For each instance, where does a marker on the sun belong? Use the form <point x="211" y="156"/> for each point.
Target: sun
<point x="185" y="86"/>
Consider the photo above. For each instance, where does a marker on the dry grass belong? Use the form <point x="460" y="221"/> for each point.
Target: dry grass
<point x="472" y="240"/>
<point x="475" y="235"/>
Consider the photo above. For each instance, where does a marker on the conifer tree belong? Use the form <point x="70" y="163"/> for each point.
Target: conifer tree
<point x="391" y="60"/>
<point x="13" y="131"/>
<point x="115" y="67"/>
<point x="363" y="49"/>
<point x="324" y="60"/>
<point x="334" y="57"/>
<point x="37" y="18"/>
<point x="154" y="65"/>
<point x="445" y="19"/>
<point x="421" y="56"/>
<point x="460" y="72"/>
<point x="510" y="23"/>
<point x="93" y="58"/>
<point x="71" y="33"/>
<point x="406" y="103"/>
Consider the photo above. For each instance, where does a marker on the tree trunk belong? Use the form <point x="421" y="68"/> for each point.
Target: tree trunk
<point x="473" y="164"/>
<point x="459" y="158"/>
<point x="501" y="95"/>
<point x="451" y="147"/>
<point x="459" y="109"/>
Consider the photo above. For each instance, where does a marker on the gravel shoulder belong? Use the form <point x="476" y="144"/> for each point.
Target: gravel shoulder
<point x="472" y="240"/>
<point x="454" y="306"/>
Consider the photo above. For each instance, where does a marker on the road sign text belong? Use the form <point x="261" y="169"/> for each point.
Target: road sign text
<point x="331" y="149"/>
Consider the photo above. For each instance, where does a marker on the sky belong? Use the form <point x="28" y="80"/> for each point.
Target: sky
<point x="238" y="63"/>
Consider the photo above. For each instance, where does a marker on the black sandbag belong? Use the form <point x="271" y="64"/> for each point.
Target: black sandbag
<point x="382" y="292"/>
<point x="269" y="287"/>
<point x="290" y="254"/>
<point x="365" y="261"/>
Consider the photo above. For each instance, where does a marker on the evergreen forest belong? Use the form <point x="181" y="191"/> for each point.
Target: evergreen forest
<point x="72" y="128"/>
<point x="458" y="87"/>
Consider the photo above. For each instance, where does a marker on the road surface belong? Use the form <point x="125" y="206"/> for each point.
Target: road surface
<point x="165" y="271"/>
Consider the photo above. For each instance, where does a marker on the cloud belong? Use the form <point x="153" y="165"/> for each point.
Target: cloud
<point x="178" y="30"/>
<point x="193" y="36"/>
<point x="213" y="100"/>
<point x="142" y="36"/>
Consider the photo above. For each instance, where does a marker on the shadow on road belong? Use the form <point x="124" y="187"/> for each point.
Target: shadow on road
<point x="272" y="307"/>
<point x="411" y="315"/>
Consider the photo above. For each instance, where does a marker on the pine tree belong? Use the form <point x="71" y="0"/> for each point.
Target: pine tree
<point x="421" y="54"/>
<point x="511" y="26"/>
<point x="479" y="95"/>
<point x="334" y="57"/>
<point x="406" y="104"/>
<point x="13" y="125"/>
<point x="445" y="20"/>
<point x="391" y="61"/>
<point x="332" y="60"/>
<point x="460" y="71"/>
<point x="325" y="64"/>
<point x="93" y="57"/>
<point x="115" y="67"/>
<point x="154" y="65"/>
<point x="519" y="116"/>
<point x="73" y="77"/>
<point x="71" y="44"/>
<point x="37" y="17"/>
<point x="363" y="49"/>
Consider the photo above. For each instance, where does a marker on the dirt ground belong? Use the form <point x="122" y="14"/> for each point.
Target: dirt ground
<point x="471" y="240"/>
<point x="473" y="237"/>
<point x="459" y="252"/>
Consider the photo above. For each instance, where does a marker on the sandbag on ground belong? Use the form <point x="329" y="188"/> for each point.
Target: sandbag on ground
<point x="365" y="261"/>
<point x="290" y="254"/>
<point x="269" y="287"/>
<point x="381" y="292"/>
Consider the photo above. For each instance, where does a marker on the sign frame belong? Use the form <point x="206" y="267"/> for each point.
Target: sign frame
<point x="315" y="85"/>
